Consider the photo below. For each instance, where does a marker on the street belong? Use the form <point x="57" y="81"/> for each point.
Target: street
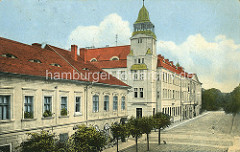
<point x="209" y="132"/>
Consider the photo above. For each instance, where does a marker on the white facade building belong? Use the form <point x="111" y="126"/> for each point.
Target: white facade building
<point x="157" y="84"/>
<point x="42" y="88"/>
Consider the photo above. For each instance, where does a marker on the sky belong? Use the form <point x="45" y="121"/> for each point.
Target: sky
<point x="202" y="35"/>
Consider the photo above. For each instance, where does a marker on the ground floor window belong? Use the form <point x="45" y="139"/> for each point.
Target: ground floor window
<point x="5" y="148"/>
<point x="139" y="112"/>
<point x="4" y="107"/>
<point x="28" y="107"/>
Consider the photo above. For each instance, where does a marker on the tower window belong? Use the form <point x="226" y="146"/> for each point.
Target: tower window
<point x="140" y="40"/>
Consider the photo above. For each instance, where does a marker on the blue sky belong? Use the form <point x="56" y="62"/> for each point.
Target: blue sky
<point x="178" y="25"/>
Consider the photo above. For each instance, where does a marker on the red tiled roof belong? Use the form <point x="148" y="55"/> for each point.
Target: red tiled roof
<point x="103" y="56"/>
<point x="47" y="56"/>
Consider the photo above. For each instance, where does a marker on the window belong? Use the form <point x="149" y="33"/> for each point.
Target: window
<point x="78" y="104"/>
<point x="139" y="112"/>
<point x="9" y="56"/>
<point x="95" y="103"/>
<point x="4" y="107"/>
<point x="47" y="107"/>
<point x="28" y="107"/>
<point x="114" y="58"/>
<point x="55" y="64"/>
<point x="135" y="75"/>
<point x="142" y="60"/>
<point x="135" y="61"/>
<point x="93" y="60"/>
<point x="139" y="40"/>
<point x="141" y="92"/>
<point x="158" y="94"/>
<point x="106" y="103"/>
<point x="35" y="60"/>
<point x="63" y="106"/>
<point x="173" y="94"/>
<point x="141" y="75"/>
<point x="123" y="103"/>
<point x="115" y="103"/>
<point x="139" y="60"/>
<point x="123" y="76"/>
<point x="135" y="92"/>
<point x="163" y="76"/>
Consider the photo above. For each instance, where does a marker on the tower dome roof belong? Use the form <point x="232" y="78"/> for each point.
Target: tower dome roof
<point x="143" y="15"/>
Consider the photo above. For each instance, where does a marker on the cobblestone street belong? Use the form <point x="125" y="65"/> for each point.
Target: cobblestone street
<point x="210" y="132"/>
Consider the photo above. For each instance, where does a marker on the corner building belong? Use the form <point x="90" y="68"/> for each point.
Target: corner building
<point x="157" y="84"/>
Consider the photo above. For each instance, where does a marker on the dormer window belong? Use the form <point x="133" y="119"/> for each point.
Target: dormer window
<point x="93" y="60"/>
<point x="85" y="69"/>
<point x="163" y="61"/>
<point x="35" y="60"/>
<point x="114" y="58"/>
<point x="9" y="56"/>
<point x="170" y="64"/>
<point x="55" y="64"/>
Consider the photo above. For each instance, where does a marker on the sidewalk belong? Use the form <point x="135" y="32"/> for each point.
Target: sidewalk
<point x="131" y="141"/>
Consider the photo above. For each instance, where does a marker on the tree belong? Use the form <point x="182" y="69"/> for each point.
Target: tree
<point x="233" y="103"/>
<point x="119" y="130"/>
<point x="39" y="142"/>
<point x="87" y="139"/>
<point x="161" y="121"/>
<point x="212" y="99"/>
<point x="147" y="124"/>
<point x="134" y="126"/>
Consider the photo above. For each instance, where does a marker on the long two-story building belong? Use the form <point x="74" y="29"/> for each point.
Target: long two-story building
<point x="45" y="87"/>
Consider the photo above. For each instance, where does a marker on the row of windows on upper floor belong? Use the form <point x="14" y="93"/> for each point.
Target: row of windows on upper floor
<point x="138" y="93"/>
<point x="5" y="109"/>
<point x="169" y="94"/>
<point x="30" y="60"/>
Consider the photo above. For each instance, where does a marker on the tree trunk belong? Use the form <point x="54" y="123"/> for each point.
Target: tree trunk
<point x="117" y="144"/>
<point x="232" y="122"/>
<point x="136" y="140"/>
<point x="147" y="142"/>
<point x="159" y="136"/>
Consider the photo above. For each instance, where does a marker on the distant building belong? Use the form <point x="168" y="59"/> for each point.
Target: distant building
<point x="157" y="84"/>
<point x="45" y="87"/>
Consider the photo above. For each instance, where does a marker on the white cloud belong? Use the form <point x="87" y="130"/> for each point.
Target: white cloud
<point x="103" y="34"/>
<point x="216" y="63"/>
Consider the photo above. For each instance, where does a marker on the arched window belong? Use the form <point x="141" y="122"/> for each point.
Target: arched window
<point x="114" y="58"/>
<point x="95" y="103"/>
<point x="115" y="103"/>
<point x="123" y="103"/>
<point x="93" y="60"/>
<point x="106" y="103"/>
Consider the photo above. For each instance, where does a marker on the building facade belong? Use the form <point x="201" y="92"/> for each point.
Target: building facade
<point x="38" y="91"/>
<point x="157" y="84"/>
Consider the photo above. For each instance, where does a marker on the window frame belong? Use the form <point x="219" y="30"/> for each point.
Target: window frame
<point x="47" y="96"/>
<point x="115" y="103"/>
<point x="32" y="106"/>
<point x="8" y="114"/>
<point x="106" y="103"/>
<point x="95" y="106"/>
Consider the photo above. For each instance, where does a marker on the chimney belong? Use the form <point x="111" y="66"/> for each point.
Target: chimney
<point x="83" y="54"/>
<point x="74" y="52"/>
